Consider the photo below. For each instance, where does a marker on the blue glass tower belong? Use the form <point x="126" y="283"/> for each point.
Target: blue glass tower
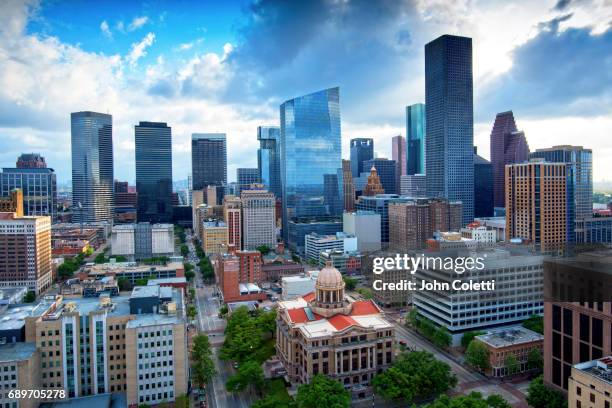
<point x="310" y="158"/>
<point x="415" y="139"/>
<point x="268" y="158"/>
<point x="483" y="186"/>
<point x="449" y="120"/>
<point x="387" y="171"/>
<point x="245" y="177"/>
<point x="361" y="150"/>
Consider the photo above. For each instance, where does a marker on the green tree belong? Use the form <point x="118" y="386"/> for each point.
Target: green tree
<point x="191" y="312"/>
<point x="412" y="318"/>
<point x="541" y="396"/>
<point x="468" y="337"/>
<point x="124" y="284"/>
<point x="414" y="375"/>
<point x="477" y="355"/>
<point x="249" y="373"/>
<point x="144" y="406"/>
<point x="511" y="363"/>
<point x="534" y="359"/>
<point x="473" y="400"/>
<point x="192" y="293"/>
<point x="349" y="283"/>
<point x="184" y="250"/>
<point x="29" y="297"/>
<point x="322" y="391"/>
<point x="181" y="401"/>
<point x="272" y="401"/>
<point x="366" y="293"/>
<point x="442" y="338"/>
<point x="535" y="323"/>
<point x="203" y="367"/>
<point x="248" y="336"/>
<point x="100" y="258"/>
<point x="189" y="275"/>
<point x="264" y="249"/>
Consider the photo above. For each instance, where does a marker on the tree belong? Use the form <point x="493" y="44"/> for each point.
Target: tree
<point x="191" y="312"/>
<point x="272" y="401"/>
<point x="247" y="336"/>
<point x="534" y="359"/>
<point x="184" y="250"/>
<point x="29" y="297"/>
<point x="414" y="375"/>
<point x="189" y="275"/>
<point x="412" y="318"/>
<point x="350" y="283"/>
<point x="181" y="401"/>
<point x="100" y="258"/>
<point x="541" y="396"/>
<point x="223" y="310"/>
<point x="535" y="323"/>
<point x="124" y="284"/>
<point x="477" y="355"/>
<point x="264" y="249"/>
<point x="442" y="338"/>
<point x="473" y="400"/>
<point x="468" y="337"/>
<point x="192" y="293"/>
<point x="511" y="364"/>
<point x="366" y="293"/>
<point x="249" y="373"/>
<point x="203" y="367"/>
<point x="322" y="391"/>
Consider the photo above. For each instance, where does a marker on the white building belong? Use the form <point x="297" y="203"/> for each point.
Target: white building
<point x="315" y="244"/>
<point x="479" y="233"/>
<point x="297" y="286"/>
<point x="365" y="226"/>
<point x="497" y="224"/>
<point x="258" y="218"/>
<point x="142" y="240"/>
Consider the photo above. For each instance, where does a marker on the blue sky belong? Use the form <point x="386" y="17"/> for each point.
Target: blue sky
<point x="225" y="66"/>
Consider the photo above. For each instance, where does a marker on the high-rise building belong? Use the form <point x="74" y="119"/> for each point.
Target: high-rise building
<point x="365" y="226"/>
<point x="449" y="144"/>
<point x="259" y="219"/>
<point x="232" y="214"/>
<point x="214" y="237"/>
<point x="483" y="187"/>
<point x="311" y="157"/>
<point x="92" y="166"/>
<point x="361" y="150"/>
<point x="398" y="153"/>
<point x="236" y="276"/>
<point x="31" y="161"/>
<point x="508" y="146"/>
<point x="142" y="240"/>
<point x="348" y="187"/>
<point x="415" y="139"/>
<point x="250" y="266"/>
<point x="25" y="252"/>
<point x="245" y="177"/>
<point x="380" y="205"/>
<point x="413" y="185"/>
<point x="39" y="187"/>
<point x="208" y="160"/>
<point x="154" y="172"/>
<point x="374" y="186"/>
<point x="536" y="204"/>
<point x="13" y="203"/>
<point x="268" y="158"/>
<point x="579" y="162"/>
<point x="386" y="170"/>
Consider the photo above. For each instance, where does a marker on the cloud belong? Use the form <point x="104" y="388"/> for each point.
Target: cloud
<point x="106" y="29"/>
<point x="139" y="49"/>
<point x="562" y="4"/>
<point x="137" y="23"/>
<point x="189" y="45"/>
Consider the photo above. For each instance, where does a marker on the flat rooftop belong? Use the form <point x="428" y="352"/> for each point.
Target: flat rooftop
<point x="600" y="369"/>
<point x="510" y="337"/>
<point x="144" y="320"/>
<point x="16" y="351"/>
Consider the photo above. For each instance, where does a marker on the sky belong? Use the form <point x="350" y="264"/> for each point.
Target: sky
<point x="226" y="66"/>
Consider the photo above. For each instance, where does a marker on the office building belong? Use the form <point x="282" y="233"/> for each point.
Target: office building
<point x="315" y="244"/>
<point x="19" y="363"/>
<point x="415" y="139"/>
<point x="92" y="167"/>
<point x="250" y="266"/>
<point x="31" y="161"/>
<point x="208" y="160"/>
<point x="374" y="186"/>
<point x="386" y="170"/>
<point x="258" y="218"/>
<point x="380" y="205"/>
<point x="536" y="203"/>
<point x="312" y="335"/>
<point x="25" y="252"/>
<point x="197" y="199"/>
<point x="449" y="117"/>
<point x="579" y="172"/>
<point x="479" y="233"/>
<point x="346" y="262"/>
<point x="39" y="188"/>
<point x="361" y="150"/>
<point x="348" y="187"/>
<point x="596" y="229"/>
<point x="214" y="237"/>
<point x="268" y="158"/>
<point x="365" y="226"/>
<point x="133" y="271"/>
<point x="154" y="172"/>
<point x="311" y="159"/>
<point x="508" y="146"/>
<point x="142" y="240"/>
<point x="297" y="286"/>
<point x="235" y="283"/>
<point x="384" y="296"/>
<point x="590" y="384"/>
<point x="398" y="154"/>
<point x="245" y="177"/>
<point x="13" y="203"/>
<point x="212" y="199"/>
<point x="497" y="224"/>
<point x="483" y="187"/>
<point x="232" y="214"/>
<point x="413" y="185"/>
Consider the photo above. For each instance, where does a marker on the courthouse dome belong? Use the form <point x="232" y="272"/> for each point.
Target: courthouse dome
<point x="330" y="278"/>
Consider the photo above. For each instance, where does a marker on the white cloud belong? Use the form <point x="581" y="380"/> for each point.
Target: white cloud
<point x="189" y="45"/>
<point x="106" y="29"/>
<point x="139" y="49"/>
<point x="137" y="23"/>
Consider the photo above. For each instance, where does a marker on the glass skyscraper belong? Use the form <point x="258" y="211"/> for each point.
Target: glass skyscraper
<point x="483" y="187"/>
<point x="245" y="177"/>
<point x="92" y="166"/>
<point x="154" y="172"/>
<point x="449" y="120"/>
<point x="268" y="158"/>
<point x="415" y="139"/>
<point x="208" y="160"/>
<point x="310" y="158"/>
<point x="39" y="187"/>
<point x="361" y="150"/>
<point x="387" y="172"/>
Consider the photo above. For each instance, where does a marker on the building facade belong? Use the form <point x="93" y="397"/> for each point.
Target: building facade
<point x="365" y="226"/>
<point x="414" y="185"/>
<point x="315" y="244"/>
<point x="259" y="218"/>
<point x="268" y="158"/>
<point x="232" y="214"/>
<point x="415" y="139"/>
<point x="483" y="187"/>
<point x="361" y="150"/>
<point x="348" y="186"/>
<point x="590" y="384"/>
<point x="142" y="240"/>
<point x="374" y="186"/>
<point x="208" y="160"/>
<point x="31" y="161"/>
<point x="245" y="177"/>
<point x="398" y="154"/>
<point x="214" y="237"/>
<point x="39" y="187"/>
<point x="380" y="205"/>
<point x="386" y="170"/>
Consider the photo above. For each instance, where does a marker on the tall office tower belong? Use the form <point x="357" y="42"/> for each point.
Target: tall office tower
<point x="250" y="266"/>
<point x="413" y="185"/>
<point x="39" y="187"/>
<point x="245" y="177"/>
<point x="361" y="150"/>
<point x="310" y="158"/>
<point x="386" y="170"/>
<point x="208" y="160"/>
<point x="268" y="158"/>
<point x="25" y="252"/>
<point x="508" y="146"/>
<point x="399" y="151"/>
<point x="536" y="205"/>
<point x="154" y="172"/>
<point x="374" y="186"/>
<point x="31" y="161"/>
<point x="579" y="163"/>
<point x="415" y="139"/>
<point x="483" y="186"/>
<point x="258" y="218"/>
<point x="92" y="166"/>
<point x="232" y="214"/>
<point x="348" y="187"/>
<point x="449" y="117"/>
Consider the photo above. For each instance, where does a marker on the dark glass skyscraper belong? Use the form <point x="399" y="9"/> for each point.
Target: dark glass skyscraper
<point x="92" y="166"/>
<point x="245" y="177"/>
<point x="208" y="160"/>
<point x="361" y="150"/>
<point x="483" y="187"/>
<point x="449" y="120"/>
<point x="268" y="158"/>
<point x="154" y="172"/>
<point x="39" y="187"/>
<point x="386" y="172"/>
<point x="310" y="162"/>
<point x="415" y="139"/>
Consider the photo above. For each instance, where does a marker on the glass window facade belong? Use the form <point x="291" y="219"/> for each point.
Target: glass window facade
<point x="387" y="172"/>
<point x="310" y="158"/>
<point x="268" y="158"/>
<point x="361" y="150"/>
<point x="208" y="160"/>
<point x="39" y="187"/>
<point x="245" y="177"/>
<point x="415" y="139"/>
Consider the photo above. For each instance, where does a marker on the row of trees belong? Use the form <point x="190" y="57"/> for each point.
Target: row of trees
<point x="477" y="355"/>
<point x="436" y="334"/>
<point x="70" y="265"/>
<point x="322" y="391"/>
<point x="473" y="400"/>
<point x="202" y="366"/>
<point x="180" y="233"/>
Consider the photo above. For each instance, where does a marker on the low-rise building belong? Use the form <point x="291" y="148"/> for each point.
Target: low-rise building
<point x="235" y="283"/>
<point x="443" y="241"/>
<point x="346" y="262"/>
<point x="315" y="244"/>
<point x="142" y="240"/>
<point x="19" y="365"/>
<point x="133" y="271"/>
<point x="297" y="286"/>
<point x="590" y="384"/>
<point x="479" y="233"/>
<point x="517" y="341"/>
<point x="365" y="226"/>
<point x="497" y="224"/>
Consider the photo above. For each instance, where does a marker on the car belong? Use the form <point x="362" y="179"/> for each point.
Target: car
<point x="236" y="365"/>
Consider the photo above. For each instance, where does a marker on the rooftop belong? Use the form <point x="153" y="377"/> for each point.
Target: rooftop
<point x="116" y="400"/>
<point x="600" y="369"/>
<point x="509" y="337"/>
<point x="152" y="319"/>
<point x="16" y="351"/>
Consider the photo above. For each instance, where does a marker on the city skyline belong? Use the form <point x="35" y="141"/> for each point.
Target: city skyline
<point x="146" y="68"/>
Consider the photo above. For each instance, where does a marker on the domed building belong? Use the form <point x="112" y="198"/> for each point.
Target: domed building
<point x="327" y="332"/>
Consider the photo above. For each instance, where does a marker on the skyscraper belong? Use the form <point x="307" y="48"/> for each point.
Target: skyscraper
<point x="259" y="218"/>
<point x="232" y="214"/>
<point x="361" y="150"/>
<point x="245" y="177"/>
<point x="415" y="139"/>
<point x="39" y="187"/>
<point x="92" y="166"/>
<point x="386" y="171"/>
<point x="483" y="186"/>
<point x="398" y="153"/>
<point x="310" y="160"/>
<point x="208" y="160"/>
<point x="154" y="172"/>
<point x="31" y="161"/>
<point x="348" y="187"/>
<point x="508" y="146"/>
<point x="268" y="158"/>
<point x="449" y="120"/>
